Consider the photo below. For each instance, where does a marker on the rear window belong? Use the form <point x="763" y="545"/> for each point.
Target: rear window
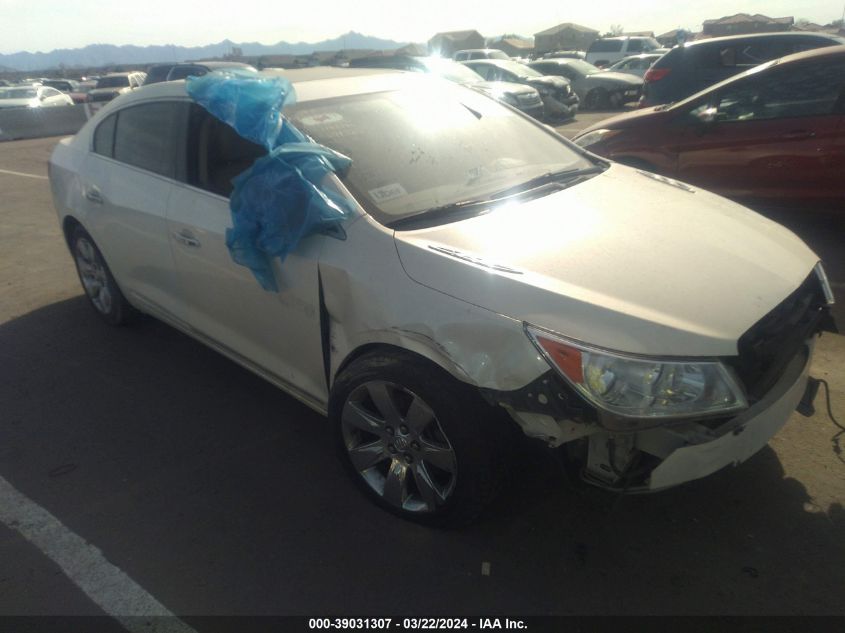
<point x="157" y="74"/>
<point x="145" y="137"/>
<point x="606" y="46"/>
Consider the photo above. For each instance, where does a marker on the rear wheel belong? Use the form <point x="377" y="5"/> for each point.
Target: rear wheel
<point x="418" y="442"/>
<point x="97" y="281"/>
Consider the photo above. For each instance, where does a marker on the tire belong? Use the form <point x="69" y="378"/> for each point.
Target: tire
<point x="418" y="442"/>
<point x="595" y="99"/>
<point x="97" y="281"/>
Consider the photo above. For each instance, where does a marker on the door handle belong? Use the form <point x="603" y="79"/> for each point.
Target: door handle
<point x="187" y="238"/>
<point x="798" y="134"/>
<point x="93" y="194"/>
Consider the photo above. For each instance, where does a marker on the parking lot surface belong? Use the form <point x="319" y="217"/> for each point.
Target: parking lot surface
<point x="211" y="492"/>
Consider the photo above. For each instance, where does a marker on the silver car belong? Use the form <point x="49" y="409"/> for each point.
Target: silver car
<point x="596" y="88"/>
<point x="491" y="277"/>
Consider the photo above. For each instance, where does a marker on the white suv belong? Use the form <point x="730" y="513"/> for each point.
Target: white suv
<point x="609" y="50"/>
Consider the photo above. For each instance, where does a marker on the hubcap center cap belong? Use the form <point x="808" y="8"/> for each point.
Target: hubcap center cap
<point x="401" y="442"/>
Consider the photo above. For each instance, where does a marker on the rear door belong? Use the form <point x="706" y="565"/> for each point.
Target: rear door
<point x="126" y="183"/>
<point x="774" y="134"/>
<point x="278" y="332"/>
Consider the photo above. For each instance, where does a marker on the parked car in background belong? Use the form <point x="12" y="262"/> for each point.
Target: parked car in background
<point x="559" y="99"/>
<point x="696" y="65"/>
<point x="70" y="87"/>
<point x="565" y="55"/>
<point x="608" y="50"/>
<point x="520" y="96"/>
<point x="479" y="53"/>
<point x="4" y="83"/>
<point x="32" y="97"/>
<point x="596" y="88"/>
<point x="774" y="133"/>
<point x="114" y="84"/>
<point x="636" y="64"/>
<point x="157" y="73"/>
<point x="542" y="293"/>
<point x="198" y="69"/>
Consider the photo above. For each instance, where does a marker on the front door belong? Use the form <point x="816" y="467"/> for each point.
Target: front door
<point x="279" y="332"/>
<point x="772" y="135"/>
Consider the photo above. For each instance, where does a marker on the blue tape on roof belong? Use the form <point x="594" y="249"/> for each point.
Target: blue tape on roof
<point x="282" y="198"/>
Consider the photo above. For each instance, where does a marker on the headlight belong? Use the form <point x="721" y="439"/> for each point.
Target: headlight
<point x="596" y="136"/>
<point x="639" y="387"/>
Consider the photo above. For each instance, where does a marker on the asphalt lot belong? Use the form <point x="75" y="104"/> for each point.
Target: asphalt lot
<point x="218" y="494"/>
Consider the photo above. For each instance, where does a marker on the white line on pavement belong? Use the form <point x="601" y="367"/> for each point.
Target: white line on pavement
<point x="20" y="173"/>
<point x="113" y="591"/>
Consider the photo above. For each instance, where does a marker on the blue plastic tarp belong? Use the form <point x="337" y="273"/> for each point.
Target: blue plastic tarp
<point x="281" y="198"/>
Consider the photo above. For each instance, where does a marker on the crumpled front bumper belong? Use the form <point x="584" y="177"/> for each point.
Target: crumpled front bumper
<point x="692" y="451"/>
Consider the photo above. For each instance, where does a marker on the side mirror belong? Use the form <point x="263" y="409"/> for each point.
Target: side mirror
<point x="707" y="117"/>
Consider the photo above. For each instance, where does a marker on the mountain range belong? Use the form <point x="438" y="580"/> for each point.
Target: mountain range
<point x="96" y="55"/>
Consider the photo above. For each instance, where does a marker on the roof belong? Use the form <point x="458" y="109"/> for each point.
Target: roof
<point x="744" y="18"/>
<point x="310" y="83"/>
<point x="565" y="26"/>
<point x="732" y="38"/>
<point x="456" y="35"/>
<point x="516" y="43"/>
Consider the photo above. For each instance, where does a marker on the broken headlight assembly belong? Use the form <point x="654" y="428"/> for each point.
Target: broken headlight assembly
<point x="631" y="386"/>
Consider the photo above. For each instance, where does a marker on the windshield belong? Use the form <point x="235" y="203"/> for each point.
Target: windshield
<point x="118" y="81"/>
<point x="453" y="71"/>
<point x="418" y="149"/>
<point x="520" y="70"/>
<point x="582" y="67"/>
<point x="18" y="93"/>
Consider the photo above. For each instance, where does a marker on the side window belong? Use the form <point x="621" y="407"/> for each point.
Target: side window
<point x="793" y="91"/>
<point x="635" y="46"/>
<point x="216" y="153"/>
<point x="565" y="71"/>
<point x="146" y="137"/>
<point x="104" y="137"/>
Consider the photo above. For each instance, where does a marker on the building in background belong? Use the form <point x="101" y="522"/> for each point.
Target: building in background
<point x="513" y="46"/>
<point x="447" y="43"/>
<point x="566" y="36"/>
<point x="742" y="23"/>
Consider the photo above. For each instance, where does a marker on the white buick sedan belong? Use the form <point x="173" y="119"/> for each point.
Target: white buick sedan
<point x="491" y="274"/>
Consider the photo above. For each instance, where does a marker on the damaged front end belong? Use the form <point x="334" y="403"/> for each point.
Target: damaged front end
<point x="721" y="418"/>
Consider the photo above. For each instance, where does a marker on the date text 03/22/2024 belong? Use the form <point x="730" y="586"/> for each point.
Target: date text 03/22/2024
<point x="416" y="624"/>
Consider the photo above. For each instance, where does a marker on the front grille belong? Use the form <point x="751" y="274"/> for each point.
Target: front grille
<point x="766" y="349"/>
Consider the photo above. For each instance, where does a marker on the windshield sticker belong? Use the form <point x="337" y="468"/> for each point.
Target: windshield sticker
<point x="388" y="192"/>
<point x="321" y="119"/>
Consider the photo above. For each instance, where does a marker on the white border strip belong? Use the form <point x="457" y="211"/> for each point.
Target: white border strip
<point x="109" y="587"/>
<point x="20" y="173"/>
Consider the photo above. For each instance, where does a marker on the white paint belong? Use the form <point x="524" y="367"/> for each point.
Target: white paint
<point x="109" y="587"/>
<point x="485" y="568"/>
<point x="20" y="173"/>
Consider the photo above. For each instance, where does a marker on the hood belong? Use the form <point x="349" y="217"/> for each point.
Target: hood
<point x="114" y="90"/>
<point x="633" y="118"/>
<point x="504" y="86"/>
<point x="552" y="81"/>
<point x="626" y="261"/>
<point x="613" y="77"/>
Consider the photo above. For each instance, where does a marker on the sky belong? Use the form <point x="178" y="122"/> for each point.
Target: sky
<point x="44" y="25"/>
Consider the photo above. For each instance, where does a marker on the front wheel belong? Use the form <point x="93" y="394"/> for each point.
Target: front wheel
<point x="418" y="442"/>
<point x="595" y="99"/>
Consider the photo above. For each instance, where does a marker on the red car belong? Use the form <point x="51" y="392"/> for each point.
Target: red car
<point x="773" y="133"/>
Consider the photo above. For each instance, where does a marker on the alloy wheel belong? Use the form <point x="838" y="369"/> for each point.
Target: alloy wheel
<point x="93" y="274"/>
<point x="395" y="443"/>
